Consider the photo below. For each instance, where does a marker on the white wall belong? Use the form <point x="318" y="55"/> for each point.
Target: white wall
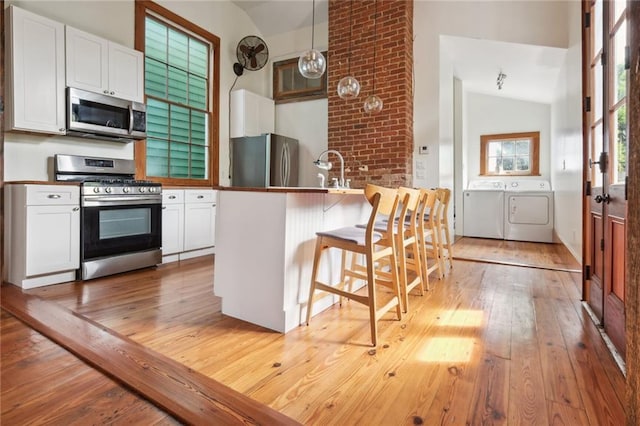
<point x="566" y="150"/>
<point x="312" y="137"/>
<point x="487" y="115"/>
<point x="26" y="156"/>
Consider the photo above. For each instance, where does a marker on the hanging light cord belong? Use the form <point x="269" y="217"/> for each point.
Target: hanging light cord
<point x="350" y="36"/>
<point x="313" y="22"/>
<point x="375" y="39"/>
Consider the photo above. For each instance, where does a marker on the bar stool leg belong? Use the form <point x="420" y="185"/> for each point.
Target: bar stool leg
<point x="314" y="275"/>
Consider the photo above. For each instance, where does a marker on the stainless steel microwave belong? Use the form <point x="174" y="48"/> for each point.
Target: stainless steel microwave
<point x="98" y="116"/>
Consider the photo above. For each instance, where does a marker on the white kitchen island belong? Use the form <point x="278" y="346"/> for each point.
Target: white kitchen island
<point x="265" y="240"/>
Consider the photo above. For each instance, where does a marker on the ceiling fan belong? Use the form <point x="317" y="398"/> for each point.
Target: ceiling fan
<point x="252" y="54"/>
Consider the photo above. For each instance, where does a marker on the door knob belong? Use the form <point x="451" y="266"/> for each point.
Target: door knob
<point x="600" y="198"/>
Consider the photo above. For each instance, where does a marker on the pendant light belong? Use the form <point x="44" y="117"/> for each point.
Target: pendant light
<point x="349" y="86"/>
<point x="373" y="103"/>
<point x="312" y="63"/>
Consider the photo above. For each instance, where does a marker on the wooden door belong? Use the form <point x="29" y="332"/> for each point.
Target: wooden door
<point x="606" y="132"/>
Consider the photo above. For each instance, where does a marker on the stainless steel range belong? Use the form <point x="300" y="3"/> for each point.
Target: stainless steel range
<point x="121" y="218"/>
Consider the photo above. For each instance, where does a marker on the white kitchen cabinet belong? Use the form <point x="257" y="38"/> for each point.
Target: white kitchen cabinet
<point x="251" y="114"/>
<point x="188" y="223"/>
<point x="199" y="219"/>
<point x="35" y="73"/>
<point x="42" y="244"/>
<point x="101" y="66"/>
<point x="172" y="221"/>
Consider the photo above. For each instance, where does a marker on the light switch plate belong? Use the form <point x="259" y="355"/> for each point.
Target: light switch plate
<point x="424" y="149"/>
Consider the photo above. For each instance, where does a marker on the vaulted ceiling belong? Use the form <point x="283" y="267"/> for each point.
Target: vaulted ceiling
<point x="532" y="71"/>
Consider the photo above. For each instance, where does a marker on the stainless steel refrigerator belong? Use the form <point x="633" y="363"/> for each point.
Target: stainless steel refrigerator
<point x="265" y="160"/>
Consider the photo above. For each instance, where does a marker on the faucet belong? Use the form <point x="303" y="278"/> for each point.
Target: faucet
<point x="326" y="165"/>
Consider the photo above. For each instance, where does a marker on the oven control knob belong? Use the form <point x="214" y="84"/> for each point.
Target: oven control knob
<point x="125" y="190"/>
<point x="141" y="189"/>
<point x="96" y="189"/>
<point x="107" y="190"/>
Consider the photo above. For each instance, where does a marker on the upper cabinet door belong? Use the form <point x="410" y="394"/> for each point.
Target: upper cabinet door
<point x="126" y="73"/>
<point x="87" y="57"/>
<point x="35" y="95"/>
<point x="100" y="66"/>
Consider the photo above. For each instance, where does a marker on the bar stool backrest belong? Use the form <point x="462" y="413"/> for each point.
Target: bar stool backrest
<point x="384" y="202"/>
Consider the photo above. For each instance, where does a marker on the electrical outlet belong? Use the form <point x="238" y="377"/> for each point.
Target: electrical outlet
<point x="424" y="149"/>
<point x="364" y="168"/>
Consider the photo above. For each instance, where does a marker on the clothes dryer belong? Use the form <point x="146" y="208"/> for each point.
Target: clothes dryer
<point x="528" y="211"/>
<point x="483" y="209"/>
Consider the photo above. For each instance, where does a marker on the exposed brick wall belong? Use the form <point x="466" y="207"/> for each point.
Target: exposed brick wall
<point x="382" y="141"/>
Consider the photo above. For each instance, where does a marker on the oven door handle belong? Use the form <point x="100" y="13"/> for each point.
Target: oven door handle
<point x="118" y="201"/>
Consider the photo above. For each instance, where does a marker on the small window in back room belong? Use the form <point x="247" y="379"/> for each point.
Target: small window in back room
<point x="510" y="154"/>
<point x="291" y="86"/>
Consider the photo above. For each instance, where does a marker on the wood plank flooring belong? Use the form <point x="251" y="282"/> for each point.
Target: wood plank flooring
<point x="42" y="383"/>
<point x="517" y="253"/>
<point x="489" y="344"/>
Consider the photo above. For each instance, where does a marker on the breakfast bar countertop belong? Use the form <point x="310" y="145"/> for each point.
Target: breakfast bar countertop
<point x="299" y="189"/>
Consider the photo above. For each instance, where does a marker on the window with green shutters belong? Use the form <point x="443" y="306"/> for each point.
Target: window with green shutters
<point x="176" y="80"/>
<point x="180" y="75"/>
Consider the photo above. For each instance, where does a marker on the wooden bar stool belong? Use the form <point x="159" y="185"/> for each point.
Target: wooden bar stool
<point x="374" y="248"/>
<point x="442" y="222"/>
<point x="408" y="244"/>
<point x="428" y="233"/>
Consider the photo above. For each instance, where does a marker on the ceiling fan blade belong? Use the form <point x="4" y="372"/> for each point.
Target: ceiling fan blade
<point x="259" y="48"/>
<point x="254" y="62"/>
<point x="245" y="49"/>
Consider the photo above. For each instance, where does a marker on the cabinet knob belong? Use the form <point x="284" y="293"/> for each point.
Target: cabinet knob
<point x="200" y="196"/>
<point x="112" y="93"/>
<point x="54" y="196"/>
<point x="172" y="197"/>
<point x="75" y="209"/>
<point x="61" y="129"/>
<point x="164" y="207"/>
<point x="106" y="92"/>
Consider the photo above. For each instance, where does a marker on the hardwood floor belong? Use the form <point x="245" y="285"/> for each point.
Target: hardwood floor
<point x="517" y="253"/>
<point x="489" y="344"/>
<point x="42" y="383"/>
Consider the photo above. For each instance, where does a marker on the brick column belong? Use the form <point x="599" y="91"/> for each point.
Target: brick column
<point x="384" y="141"/>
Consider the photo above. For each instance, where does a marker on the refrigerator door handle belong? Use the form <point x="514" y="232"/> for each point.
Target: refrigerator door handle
<point x="284" y="172"/>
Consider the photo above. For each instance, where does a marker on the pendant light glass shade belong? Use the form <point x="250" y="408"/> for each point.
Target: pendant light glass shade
<point x="348" y="88"/>
<point x="372" y="104"/>
<point x="312" y="64"/>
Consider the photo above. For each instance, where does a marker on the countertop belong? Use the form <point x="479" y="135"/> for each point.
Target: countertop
<point x="40" y="182"/>
<point x="295" y="190"/>
<point x="354" y="191"/>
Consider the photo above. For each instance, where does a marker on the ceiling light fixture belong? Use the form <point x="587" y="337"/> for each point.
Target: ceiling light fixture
<point x="500" y="79"/>
<point x="312" y="62"/>
<point x="349" y="86"/>
<point x="373" y="103"/>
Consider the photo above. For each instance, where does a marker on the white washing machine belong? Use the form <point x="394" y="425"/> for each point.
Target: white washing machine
<point x="483" y="209"/>
<point x="528" y="211"/>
